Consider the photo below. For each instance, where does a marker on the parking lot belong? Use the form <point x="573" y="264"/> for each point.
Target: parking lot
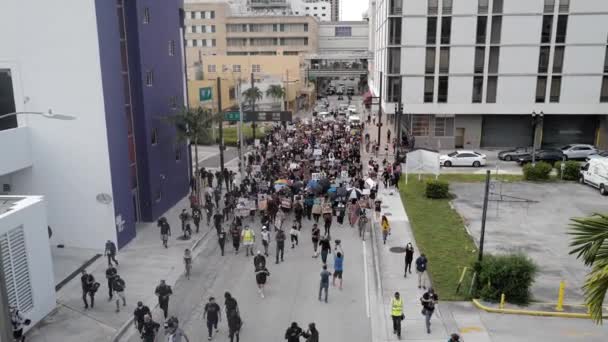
<point x="533" y="218"/>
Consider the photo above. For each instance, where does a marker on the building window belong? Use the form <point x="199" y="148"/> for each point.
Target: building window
<point x="543" y="60"/>
<point x="446" y="29"/>
<point x="394" y="25"/>
<point x="442" y="90"/>
<point x="432" y="7"/>
<point x="480" y="55"/>
<point x="173" y="102"/>
<point x="558" y="59"/>
<point x="421" y="125"/>
<point x="146" y="19"/>
<point x="541" y="88"/>
<point x="178" y="154"/>
<point x="562" y="26"/>
<point x="232" y="93"/>
<point x="482" y="7"/>
<point x="604" y="91"/>
<point x="212" y="14"/>
<point x="606" y="61"/>
<point x="149" y="78"/>
<point x="444" y="60"/>
<point x="492" y="86"/>
<point x="431" y="30"/>
<point x="212" y="28"/>
<point x="236" y="68"/>
<point x="256" y="68"/>
<point x="497" y="6"/>
<point x="549" y="6"/>
<point x="213" y="42"/>
<point x="564" y="6"/>
<point x="192" y="15"/>
<point x="305" y="27"/>
<point x="556" y="87"/>
<point x="172" y="48"/>
<point x="394" y="88"/>
<point x="429" y="89"/>
<point x="545" y="35"/>
<point x="211" y="68"/>
<point x="430" y="60"/>
<point x="496" y="28"/>
<point x="394" y="60"/>
<point x="493" y="62"/>
<point x="477" y="89"/>
<point x="194" y="42"/>
<point x="447" y="7"/>
<point x="444" y="127"/>
<point x="482" y="23"/>
<point x="193" y="29"/>
<point x="154" y="139"/>
<point x="342" y="31"/>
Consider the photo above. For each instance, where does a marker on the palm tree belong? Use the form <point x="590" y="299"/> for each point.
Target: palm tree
<point x="192" y="126"/>
<point x="276" y="92"/>
<point x="253" y="94"/>
<point x="590" y="242"/>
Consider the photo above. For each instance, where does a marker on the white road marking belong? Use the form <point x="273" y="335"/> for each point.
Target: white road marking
<point x="367" y="294"/>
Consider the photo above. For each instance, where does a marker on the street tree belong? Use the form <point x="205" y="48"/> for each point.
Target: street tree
<point x="276" y="92"/>
<point x="252" y="95"/>
<point x="590" y="243"/>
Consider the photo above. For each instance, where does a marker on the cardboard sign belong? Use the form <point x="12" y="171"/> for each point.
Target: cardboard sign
<point x="316" y="176"/>
<point x="257" y="168"/>
<point x="344" y="174"/>
<point x="317" y="152"/>
<point x="366" y="192"/>
<point x="256" y="142"/>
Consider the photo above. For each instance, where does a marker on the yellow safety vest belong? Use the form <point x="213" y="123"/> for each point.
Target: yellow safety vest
<point x="248" y="237"/>
<point x="397" y="307"/>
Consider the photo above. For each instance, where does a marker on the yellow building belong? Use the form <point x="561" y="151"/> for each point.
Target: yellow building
<point x="235" y="70"/>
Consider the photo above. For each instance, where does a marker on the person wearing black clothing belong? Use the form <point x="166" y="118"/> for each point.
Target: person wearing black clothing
<point x="327" y="218"/>
<point x="209" y="208"/>
<point x="110" y="252"/>
<point x="325" y="248"/>
<point x="118" y="284"/>
<point x="280" y="240"/>
<point x="196" y="217"/>
<point x="316" y="235"/>
<point x="221" y="240"/>
<point x="235" y="233"/>
<point x="409" y="257"/>
<point x="428" y="300"/>
<point x="213" y="315"/>
<point x="299" y="212"/>
<point x="210" y="179"/>
<point x="234" y="325"/>
<point x="184" y="217"/>
<point x="218" y="218"/>
<point x="217" y="196"/>
<point x="259" y="261"/>
<point x="230" y="304"/>
<point x="163" y="291"/>
<point x="149" y="329"/>
<point x="293" y="333"/>
<point x="87" y="281"/>
<point x="111" y="273"/>
<point x="312" y="335"/>
<point x="138" y="315"/>
<point x="220" y="180"/>
<point x="165" y="230"/>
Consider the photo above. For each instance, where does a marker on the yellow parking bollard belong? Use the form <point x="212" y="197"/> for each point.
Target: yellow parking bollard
<point x="502" y="301"/>
<point x="560" y="296"/>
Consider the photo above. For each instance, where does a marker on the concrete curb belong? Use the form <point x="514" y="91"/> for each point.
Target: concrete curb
<point x="123" y="328"/>
<point x="480" y="306"/>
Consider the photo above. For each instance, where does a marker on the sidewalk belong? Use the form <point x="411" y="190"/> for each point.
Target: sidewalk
<point x="462" y="318"/>
<point x="143" y="263"/>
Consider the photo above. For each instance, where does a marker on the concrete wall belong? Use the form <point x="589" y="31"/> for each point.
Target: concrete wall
<point x="30" y="213"/>
<point x="358" y="42"/>
<point x="20" y="155"/>
<point x="472" y="125"/>
<point x="58" y="67"/>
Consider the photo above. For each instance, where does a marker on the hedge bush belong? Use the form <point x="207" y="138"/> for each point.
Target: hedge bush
<point x="437" y="189"/>
<point x="571" y="170"/>
<point x="511" y="274"/>
<point x="540" y="171"/>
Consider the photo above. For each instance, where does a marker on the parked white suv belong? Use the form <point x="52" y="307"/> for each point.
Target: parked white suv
<point x="578" y="151"/>
<point x="595" y="173"/>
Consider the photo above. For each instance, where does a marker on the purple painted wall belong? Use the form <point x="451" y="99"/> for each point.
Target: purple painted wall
<point x="116" y="123"/>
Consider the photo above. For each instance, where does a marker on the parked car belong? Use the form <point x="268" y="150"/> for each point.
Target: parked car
<point x="350" y="91"/>
<point x="599" y="154"/>
<point x="549" y="156"/>
<point x="595" y="173"/>
<point x="463" y="158"/>
<point x="578" y="151"/>
<point x="511" y="155"/>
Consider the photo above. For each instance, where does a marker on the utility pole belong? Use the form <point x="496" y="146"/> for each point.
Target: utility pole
<point x="6" y="326"/>
<point x="483" y="216"/>
<point x="242" y="164"/>
<point x="253" y="104"/>
<point x="380" y="113"/>
<point x="221" y="124"/>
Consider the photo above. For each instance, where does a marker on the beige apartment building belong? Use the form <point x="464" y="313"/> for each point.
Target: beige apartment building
<point x="211" y="29"/>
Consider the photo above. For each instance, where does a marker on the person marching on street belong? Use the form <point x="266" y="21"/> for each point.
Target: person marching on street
<point x="280" y="240"/>
<point x="455" y="338"/>
<point x="325" y="248"/>
<point x="234" y="326"/>
<point x="221" y="240"/>
<point x="397" y="314"/>
<point x="213" y="315"/>
<point x="316" y="235"/>
<point x="165" y="231"/>
<point x="119" y="288"/>
<point x="327" y="218"/>
<point x="421" y="265"/>
<point x="312" y="334"/>
<point x="141" y="311"/>
<point x="265" y="239"/>
<point x="235" y="233"/>
<point x="188" y="262"/>
<point x="230" y="304"/>
<point x="386" y="228"/>
<point x="259" y="261"/>
<point x="87" y="281"/>
<point x="111" y="272"/>
<point x="110" y="252"/>
<point x="184" y="217"/>
<point x="428" y="300"/>
<point x="324" y="283"/>
<point x="409" y="257"/>
<point x="149" y="329"/>
<point x="338" y="268"/>
<point x="261" y="275"/>
<point x="163" y="291"/>
<point x="218" y="218"/>
<point x="293" y="333"/>
<point x="196" y="217"/>
<point x="248" y="236"/>
<point x="294" y="233"/>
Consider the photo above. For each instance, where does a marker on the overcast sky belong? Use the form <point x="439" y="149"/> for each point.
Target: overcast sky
<point x="352" y="9"/>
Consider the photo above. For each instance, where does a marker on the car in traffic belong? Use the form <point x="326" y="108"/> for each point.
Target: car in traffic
<point x="513" y="154"/>
<point x="549" y="156"/>
<point x="595" y="173"/>
<point x="352" y="109"/>
<point x="578" y="151"/>
<point x="354" y="120"/>
<point x="463" y="158"/>
<point x="350" y="91"/>
<point x="599" y="154"/>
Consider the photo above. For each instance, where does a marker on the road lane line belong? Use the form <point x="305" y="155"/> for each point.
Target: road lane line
<point x="366" y="280"/>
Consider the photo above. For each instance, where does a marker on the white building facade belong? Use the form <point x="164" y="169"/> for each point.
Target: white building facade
<point x="318" y="9"/>
<point x="470" y="73"/>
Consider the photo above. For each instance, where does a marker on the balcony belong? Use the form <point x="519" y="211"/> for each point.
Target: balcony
<point x="19" y="155"/>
